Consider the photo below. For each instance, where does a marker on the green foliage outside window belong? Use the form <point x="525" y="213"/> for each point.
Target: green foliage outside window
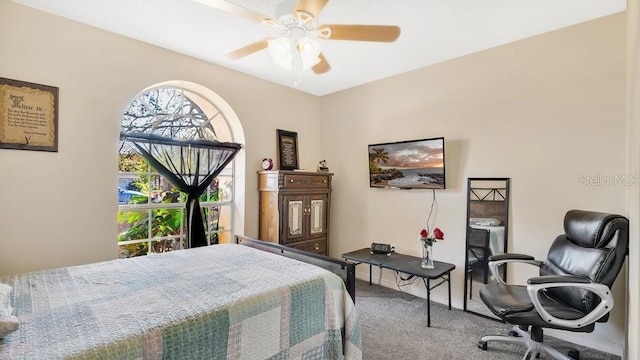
<point x="164" y="221"/>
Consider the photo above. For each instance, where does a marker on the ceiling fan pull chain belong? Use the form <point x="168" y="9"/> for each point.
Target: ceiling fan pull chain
<point x="296" y="67"/>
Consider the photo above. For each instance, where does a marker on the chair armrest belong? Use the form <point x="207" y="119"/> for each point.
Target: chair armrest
<point x="549" y="279"/>
<point x="510" y="257"/>
<point x="539" y="283"/>
<point x="497" y="260"/>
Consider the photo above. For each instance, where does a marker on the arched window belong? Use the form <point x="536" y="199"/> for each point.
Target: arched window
<point x="151" y="212"/>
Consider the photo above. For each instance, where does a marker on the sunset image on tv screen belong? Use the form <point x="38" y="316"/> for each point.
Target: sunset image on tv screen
<point x="414" y="164"/>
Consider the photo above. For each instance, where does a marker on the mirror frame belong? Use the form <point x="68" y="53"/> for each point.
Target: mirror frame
<point x="489" y="193"/>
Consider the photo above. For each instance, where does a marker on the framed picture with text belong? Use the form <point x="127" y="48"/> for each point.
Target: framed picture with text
<point x="28" y="116"/>
<point x="288" y="149"/>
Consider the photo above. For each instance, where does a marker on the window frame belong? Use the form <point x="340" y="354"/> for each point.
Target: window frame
<point x="224" y="205"/>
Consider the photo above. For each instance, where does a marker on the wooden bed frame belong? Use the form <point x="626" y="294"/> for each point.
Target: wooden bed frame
<point x="346" y="271"/>
<point x="487" y="209"/>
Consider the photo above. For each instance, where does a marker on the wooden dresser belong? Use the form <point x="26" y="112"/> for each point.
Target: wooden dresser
<point x="294" y="209"/>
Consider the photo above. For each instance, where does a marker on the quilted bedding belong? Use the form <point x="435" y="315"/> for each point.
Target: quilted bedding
<point x="217" y="302"/>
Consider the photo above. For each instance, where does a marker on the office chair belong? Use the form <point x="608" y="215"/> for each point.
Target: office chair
<point x="573" y="290"/>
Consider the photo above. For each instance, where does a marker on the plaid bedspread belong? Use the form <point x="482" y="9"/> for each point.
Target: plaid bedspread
<point x="217" y="302"/>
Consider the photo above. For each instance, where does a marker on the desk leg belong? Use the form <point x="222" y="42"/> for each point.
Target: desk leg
<point x="370" y="267"/>
<point x="428" y="303"/>
<point x="449" y="285"/>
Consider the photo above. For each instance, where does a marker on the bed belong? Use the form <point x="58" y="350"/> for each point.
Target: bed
<point x="487" y="212"/>
<point x="495" y="236"/>
<point x="226" y="301"/>
<point x="486" y="233"/>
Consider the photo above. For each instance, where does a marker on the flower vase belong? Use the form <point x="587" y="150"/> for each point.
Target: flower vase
<point x="427" y="257"/>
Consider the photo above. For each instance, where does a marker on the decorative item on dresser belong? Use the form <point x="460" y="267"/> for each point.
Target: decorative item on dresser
<point x="267" y="164"/>
<point x="294" y="209"/>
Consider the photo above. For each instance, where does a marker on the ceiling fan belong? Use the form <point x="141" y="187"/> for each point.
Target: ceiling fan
<point x="297" y="47"/>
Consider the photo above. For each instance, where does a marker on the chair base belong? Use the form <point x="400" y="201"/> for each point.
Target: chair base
<point x="534" y="343"/>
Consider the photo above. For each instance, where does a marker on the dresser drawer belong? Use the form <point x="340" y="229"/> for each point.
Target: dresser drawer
<point x="299" y="246"/>
<point x="300" y="181"/>
<point x="317" y="246"/>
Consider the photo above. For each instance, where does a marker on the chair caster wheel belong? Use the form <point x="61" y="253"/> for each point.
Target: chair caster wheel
<point x="482" y="345"/>
<point x="513" y="333"/>
<point x="574" y="354"/>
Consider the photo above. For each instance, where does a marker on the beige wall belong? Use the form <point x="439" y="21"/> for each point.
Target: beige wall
<point x="543" y="111"/>
<point x="633" y="167"/>
<point x="60" y="208"/>
<point x="546" y="112"/>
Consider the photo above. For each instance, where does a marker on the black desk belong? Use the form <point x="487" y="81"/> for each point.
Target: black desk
<point x="408" y="265"/>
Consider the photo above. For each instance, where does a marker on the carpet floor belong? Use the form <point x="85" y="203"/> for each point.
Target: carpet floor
<point x="394" y="326"/>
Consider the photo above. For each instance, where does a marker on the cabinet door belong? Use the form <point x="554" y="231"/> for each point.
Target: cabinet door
<point x="317" y="214"/>
<point x="293" y="220"/>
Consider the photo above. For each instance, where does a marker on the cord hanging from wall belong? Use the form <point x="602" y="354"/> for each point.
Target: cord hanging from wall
<point x="434" y="205"/>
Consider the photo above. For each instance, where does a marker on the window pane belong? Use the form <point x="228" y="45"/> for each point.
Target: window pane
<point x="172" y="196"/>
<point x="166" y="222"/>
<point x="130" y="160"/>
<point x="212" y="216"/>
<point x="131" y="250"/>
<point x="213" y="191"/>
<point x="133" y="225"/>
<point x="161" y="246"/>
<point x="225" y="184"/>
<point x="224" y="237"/>
<point x="156" y="190"/>
<point x="218" y="218"/>
<point x="131" y="196"/>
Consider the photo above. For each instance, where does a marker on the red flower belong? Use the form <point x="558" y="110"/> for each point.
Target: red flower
<point x="429" y="240"/>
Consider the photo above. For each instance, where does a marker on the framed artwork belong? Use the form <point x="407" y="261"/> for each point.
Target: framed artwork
<point x="28" y="116"/>
<point x="288" y="149"/>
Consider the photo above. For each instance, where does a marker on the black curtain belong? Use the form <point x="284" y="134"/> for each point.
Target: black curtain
<point x="190" y="166"/>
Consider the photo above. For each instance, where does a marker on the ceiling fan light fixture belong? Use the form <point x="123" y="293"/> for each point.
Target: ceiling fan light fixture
<point x="293" y="55"/>
<point x="309" y="49"/>
<point x="280" y="51"/>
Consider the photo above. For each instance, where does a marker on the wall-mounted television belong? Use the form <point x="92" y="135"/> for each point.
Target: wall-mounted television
<point x="411" y="164"/>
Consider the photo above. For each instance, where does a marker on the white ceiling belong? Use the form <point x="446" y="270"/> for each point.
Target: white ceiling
<point x="432" y="31"/>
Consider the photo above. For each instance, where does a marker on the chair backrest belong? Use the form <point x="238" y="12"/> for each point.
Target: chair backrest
<point x="594" y="246"/>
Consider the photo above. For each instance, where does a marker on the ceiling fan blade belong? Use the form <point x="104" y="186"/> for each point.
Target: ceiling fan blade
<point x="234" y="9"/>
<point x="249" y="49"/>
<point x="321" y="67"/>
<point x="311" y="7"/>
<point x="380" y="33"/>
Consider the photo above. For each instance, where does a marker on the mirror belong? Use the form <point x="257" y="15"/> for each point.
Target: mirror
<point x="487" y="234"/>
